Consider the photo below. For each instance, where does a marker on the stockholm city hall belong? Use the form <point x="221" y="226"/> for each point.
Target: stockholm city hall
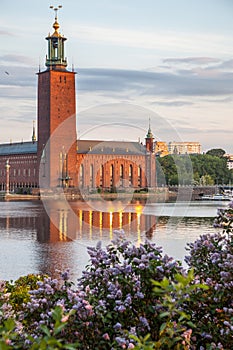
<point x="55" y="158"/>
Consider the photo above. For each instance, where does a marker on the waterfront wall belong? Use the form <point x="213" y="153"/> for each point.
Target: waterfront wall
<point x="190" y="192"/>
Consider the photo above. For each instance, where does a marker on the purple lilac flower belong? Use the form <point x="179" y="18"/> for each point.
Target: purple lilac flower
<point x="117" y="326"/>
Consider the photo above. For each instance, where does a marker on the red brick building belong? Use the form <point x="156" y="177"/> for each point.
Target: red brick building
<point x="57" y="159"/>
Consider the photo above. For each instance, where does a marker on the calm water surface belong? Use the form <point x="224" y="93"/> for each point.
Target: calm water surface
<point x="35" y="239"/>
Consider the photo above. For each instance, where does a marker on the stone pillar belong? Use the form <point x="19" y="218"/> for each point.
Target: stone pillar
<point x="7" y="166"/>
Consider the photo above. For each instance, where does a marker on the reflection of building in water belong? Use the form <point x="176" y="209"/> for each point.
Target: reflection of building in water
<point x="97" y="222"/>
<point x="66" y="225"/>
<point x="57" y="225"/>
<point x="63" y="225"/>
<point x="28" y="223"/>
<point x="53" y="235"/>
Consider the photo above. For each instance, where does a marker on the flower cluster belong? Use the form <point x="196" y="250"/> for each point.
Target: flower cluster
<point x="224" y="219"/>
<point x="212" y="258"/>
<point x="128" y="297"/>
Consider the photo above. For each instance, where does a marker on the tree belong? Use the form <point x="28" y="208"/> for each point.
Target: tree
<point x="216" y="152"/>
<point x="186" y="170"/>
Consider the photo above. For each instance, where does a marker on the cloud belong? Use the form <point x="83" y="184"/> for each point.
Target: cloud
<point x="5" y="33"/>
<point x="16" y="59"/>
<point x="181" y="83"/>
<point x="172" y="41"/>
<point x="17" y="77"/>
<point x="227" y="64"/>
<point x="192" y="60"/>
<point x="171" y="87"/>
<point x="224" y="100"/>
<point x="173" y="103"/>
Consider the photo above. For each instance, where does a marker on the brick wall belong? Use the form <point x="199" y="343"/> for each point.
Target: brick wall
<point x="57" y="127"/>
<point x="23" y="171"/>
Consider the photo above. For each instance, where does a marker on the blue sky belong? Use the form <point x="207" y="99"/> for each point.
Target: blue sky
<point x="168" y="60"/>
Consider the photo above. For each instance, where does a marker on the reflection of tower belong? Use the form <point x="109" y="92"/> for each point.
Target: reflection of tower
<point x="57" y="224"/>
<point x="150" y="225"/>
<point x="56" y="113"/>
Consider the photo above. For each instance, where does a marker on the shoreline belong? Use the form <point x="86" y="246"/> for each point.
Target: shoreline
<point x="181" y="193"/>
<point x="164" y="194"/>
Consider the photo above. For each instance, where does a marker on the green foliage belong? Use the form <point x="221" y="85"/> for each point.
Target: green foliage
<point x="49" y="340"/>
<point x="176" y="329"/>
<point x="216" y="152"/>
<point x="8" y="335"/>
<point x="206" y="180"/>
<point x="201" y="169"/>
<point x="19" y="290"/>
<point x="211" y="256"/>
<point x="52" y="339"/>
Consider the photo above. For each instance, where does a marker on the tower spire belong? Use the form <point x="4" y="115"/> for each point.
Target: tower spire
<point x="149" y="133"/>
<point x="55" y="59"/>
<point x="150" y="140"/>
<point x="33" y="132"/>
<point x="55" y="10"/>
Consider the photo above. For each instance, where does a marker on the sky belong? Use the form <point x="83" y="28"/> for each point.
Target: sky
<point x="170" y="62"/>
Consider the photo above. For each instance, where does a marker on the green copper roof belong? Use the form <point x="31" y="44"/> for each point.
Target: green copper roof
<point x="18" y="148"/>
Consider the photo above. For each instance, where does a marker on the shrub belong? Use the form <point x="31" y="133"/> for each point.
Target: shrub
<point x="211" y="256"/>
<point x="129" y="297"/>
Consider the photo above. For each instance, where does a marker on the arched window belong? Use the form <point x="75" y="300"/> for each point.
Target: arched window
<point x="112" y="175"/>
<point x="121" y="175"/>
<point x="101" y="176"/>
<point x="131" y="175"/>
<point x="81" y="176"/>
<point x="139" y="176"/>
<point x="91" y="175"/>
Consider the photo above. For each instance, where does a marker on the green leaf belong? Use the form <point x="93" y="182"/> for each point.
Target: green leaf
<point x="71" y="346"/>
<point x="163" y="326"/>
<point x="164" y="314"/>
<point x="58" y="329"/>
<point x="45" y="330"/>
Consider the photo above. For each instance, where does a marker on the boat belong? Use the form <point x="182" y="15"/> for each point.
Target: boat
<point x="217" y="197"/>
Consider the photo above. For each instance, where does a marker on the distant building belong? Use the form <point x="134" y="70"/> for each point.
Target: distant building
<point x="184" y="147"/>
<point x="161" y="148"/>
<point x="229" y="161"/>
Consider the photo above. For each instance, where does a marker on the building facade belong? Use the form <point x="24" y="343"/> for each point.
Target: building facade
<point x="184" y="147"/>
<point x="57" y="159"/>
<point x="161" y="148"/>
<point x="229" y="161"/>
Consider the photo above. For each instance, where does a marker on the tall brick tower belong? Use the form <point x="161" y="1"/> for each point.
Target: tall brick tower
<point x="57" y="151"/>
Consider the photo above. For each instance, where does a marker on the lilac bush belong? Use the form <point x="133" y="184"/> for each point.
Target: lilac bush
<point x="119" y="284"/>
<point x="211" y="256"/>
<point x="113" y="301"/>
<point x="128" y="297"/>
<point x="224" y="219"/>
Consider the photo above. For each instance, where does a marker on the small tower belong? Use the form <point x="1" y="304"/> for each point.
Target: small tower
<point x="33" y="132"/>
<point x="56" y="115"/>
<point x="150" y="159"/>
<point x="149" y="140"/>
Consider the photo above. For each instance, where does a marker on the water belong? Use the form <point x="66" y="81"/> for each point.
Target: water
<point x="34" y="239"/>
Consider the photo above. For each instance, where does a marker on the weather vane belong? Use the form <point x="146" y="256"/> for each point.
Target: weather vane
<point x="56" y="9"/>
